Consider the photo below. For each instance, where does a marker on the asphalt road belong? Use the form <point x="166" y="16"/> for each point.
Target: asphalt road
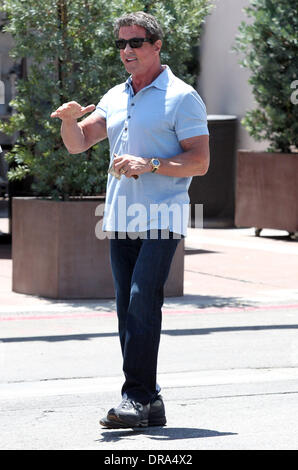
<point x="228" y="363"/>
<point x="230" y="381"/>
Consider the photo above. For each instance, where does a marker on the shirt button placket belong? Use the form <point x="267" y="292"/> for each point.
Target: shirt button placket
<point x="129" y="116"/>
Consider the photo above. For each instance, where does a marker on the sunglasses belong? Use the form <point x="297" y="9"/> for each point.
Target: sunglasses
<point x="134" y="43"/>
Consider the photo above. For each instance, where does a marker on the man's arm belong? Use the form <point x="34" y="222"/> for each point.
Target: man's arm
<point x="79" y="136"/>
<point x="193" y="161"/>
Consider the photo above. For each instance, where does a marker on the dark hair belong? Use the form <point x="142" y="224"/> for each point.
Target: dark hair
<point x="140" y="18"/>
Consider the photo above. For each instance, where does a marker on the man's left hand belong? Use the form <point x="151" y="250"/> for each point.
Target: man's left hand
<point x="131" y="166"/>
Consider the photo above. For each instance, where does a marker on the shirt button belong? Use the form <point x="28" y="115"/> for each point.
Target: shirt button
<point x="128" y="117"/>
<point x="132" y="104"/>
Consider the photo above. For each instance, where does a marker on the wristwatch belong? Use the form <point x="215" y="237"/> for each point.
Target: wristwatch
<point x="155" y="163"/>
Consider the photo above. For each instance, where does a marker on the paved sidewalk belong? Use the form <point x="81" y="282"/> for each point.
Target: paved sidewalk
<point x="227" y="364"/>
<point x="224" y="268"/>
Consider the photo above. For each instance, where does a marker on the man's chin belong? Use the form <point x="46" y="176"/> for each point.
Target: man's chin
<point x="131" y="68"/>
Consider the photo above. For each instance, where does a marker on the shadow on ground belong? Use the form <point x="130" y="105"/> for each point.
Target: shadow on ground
<point x="161" y="433"/>
<point x="206" y="301"/>
<point x="5" y="249"/>
<point x="175" y="332"/>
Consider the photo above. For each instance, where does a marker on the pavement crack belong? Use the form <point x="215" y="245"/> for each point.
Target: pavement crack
<point x="229" y="278"/>
<point x="241" y="395"/>
<point x="50" y="379"/>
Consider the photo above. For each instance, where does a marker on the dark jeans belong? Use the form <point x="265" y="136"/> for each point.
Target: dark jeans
<point x="140" y="269"/>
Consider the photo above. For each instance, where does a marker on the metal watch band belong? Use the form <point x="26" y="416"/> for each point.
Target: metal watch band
<point x="154" y="166"/>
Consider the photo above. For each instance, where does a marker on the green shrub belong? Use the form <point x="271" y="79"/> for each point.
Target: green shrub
<point x="269" y="44"/>
<point x="69" y="46"/>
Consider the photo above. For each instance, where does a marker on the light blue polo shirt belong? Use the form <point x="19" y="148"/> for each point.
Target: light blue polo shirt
<point x="150" y="124"/>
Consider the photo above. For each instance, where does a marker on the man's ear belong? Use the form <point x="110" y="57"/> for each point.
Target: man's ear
<point x="157" y="45"/>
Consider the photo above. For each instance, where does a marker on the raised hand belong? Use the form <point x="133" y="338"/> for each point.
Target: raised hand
<point x="72" y="111"/>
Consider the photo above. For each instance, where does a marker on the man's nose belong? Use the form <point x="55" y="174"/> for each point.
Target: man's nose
<point x="127" y="48"/>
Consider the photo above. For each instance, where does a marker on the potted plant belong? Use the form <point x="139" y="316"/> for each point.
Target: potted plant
<point x="267" y="182"/>
<point x="69" y="50"/>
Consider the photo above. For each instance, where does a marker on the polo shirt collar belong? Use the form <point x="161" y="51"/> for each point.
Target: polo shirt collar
<point x="161" y="82"/>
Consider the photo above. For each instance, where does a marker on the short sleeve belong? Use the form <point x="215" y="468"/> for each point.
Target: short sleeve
<point x="191" y="117"/>
<point x="102" y="106"/>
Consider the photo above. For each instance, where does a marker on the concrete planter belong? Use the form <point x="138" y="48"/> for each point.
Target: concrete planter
<point x="56" y="253"/>
<point x="267" y="191"/>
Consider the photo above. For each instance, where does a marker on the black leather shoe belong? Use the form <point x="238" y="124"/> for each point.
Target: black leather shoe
<point x="157" y="413"/>
<point x="130" y="413"/>
<point x="156" y="416"/>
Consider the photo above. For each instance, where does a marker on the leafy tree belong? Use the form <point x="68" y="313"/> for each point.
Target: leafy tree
<point x="269" y="44"/>
<point x="69" y="49"/>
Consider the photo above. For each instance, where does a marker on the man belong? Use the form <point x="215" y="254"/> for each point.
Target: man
<point x="158" y="135"/>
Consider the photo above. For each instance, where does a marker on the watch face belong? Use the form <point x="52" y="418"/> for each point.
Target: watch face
<point x="155" y="161"/>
